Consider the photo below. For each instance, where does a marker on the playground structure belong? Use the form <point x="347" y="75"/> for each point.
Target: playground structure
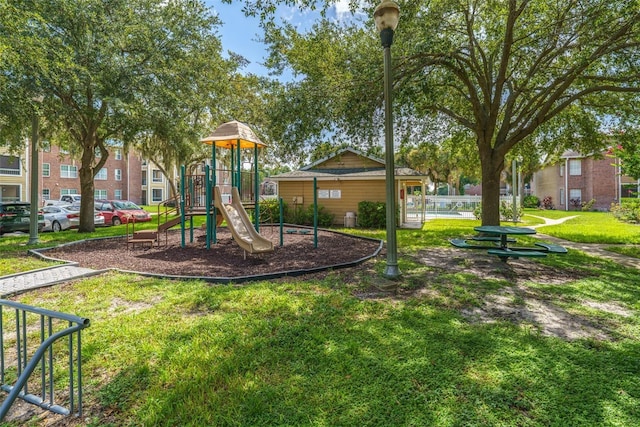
<point x="221" y="193"/>
<point x="240" y="224"/>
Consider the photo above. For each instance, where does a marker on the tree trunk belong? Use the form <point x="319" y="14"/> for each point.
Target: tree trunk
<point x="87" y="172"/>
<point x="492" y="166"/>
<point x="87" y="192"/>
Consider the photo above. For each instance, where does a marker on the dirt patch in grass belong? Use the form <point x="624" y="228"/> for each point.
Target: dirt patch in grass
<point x="495" y="291"/>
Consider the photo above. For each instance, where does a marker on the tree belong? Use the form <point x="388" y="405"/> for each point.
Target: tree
<point x="113" y="71"/>
<point x="628" y="151"/>
<point x="510" y="73"/>
<point x="444" y="162"/>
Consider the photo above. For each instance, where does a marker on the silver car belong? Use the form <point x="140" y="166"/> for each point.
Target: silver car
<point x="58" y="218"/>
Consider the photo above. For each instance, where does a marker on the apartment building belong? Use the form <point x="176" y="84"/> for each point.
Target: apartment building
<point x="12" y="177"/>
<point x="124" y="176"/>
<point x="155" y="185"/>
<point x="576" y="179"/>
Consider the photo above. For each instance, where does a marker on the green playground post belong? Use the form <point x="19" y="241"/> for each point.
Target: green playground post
<point x="256" y="188"/>
<point x="182" y="203"/>
<point x="190" y="228"/>
<point x="213" y="184"/>
<point x="208" y="206"/>
<point x="239" y="168"/>
<point x="281" y="203"/>
<point x="315" y="212"/>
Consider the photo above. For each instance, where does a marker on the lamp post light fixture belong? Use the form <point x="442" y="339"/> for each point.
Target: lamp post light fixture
<point x="35" y="175"/>
<point x="386" y="17"/>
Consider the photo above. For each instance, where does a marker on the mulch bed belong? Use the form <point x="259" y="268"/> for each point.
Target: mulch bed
<point x="225" y="259"/>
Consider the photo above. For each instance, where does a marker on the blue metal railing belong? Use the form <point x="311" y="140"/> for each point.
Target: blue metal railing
<point x="51" y="325"/>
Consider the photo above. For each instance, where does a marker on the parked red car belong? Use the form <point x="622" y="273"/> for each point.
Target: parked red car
<point x="118" y="212"/>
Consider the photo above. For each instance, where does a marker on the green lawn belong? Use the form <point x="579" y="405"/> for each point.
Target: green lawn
<point x="590" y="227"/>
<point x="330" y="352"/>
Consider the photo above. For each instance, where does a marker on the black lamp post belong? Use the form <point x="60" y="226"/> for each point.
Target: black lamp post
<point x="386" y="17"/>
<point x="35" y="175"/>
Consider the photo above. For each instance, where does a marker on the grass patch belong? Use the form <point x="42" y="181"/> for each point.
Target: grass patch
<point x="164" y="353"/>
<point x="330" y="351"/>
<point x="632" y="251"/>
<point x="591" y="227"/>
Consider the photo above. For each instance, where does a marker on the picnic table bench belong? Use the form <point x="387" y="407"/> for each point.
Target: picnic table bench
<point x="505" y="254"/>
<point x="499" y="236"/>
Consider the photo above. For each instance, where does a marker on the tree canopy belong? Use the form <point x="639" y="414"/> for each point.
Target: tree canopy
<point x="515" y="75"/>
<point x="110" y="71"/>
<point x="628" y="151"/>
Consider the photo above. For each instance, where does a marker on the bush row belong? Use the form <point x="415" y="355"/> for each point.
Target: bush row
<point x="370" y="214"/>
<point x="270" y="212"/>
<point x="627" y="211"/>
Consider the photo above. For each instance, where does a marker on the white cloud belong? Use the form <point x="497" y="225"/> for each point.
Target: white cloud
<point x="343" y="9"/>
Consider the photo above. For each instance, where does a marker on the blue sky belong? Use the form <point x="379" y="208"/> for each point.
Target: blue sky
<point x="240" y="34"/>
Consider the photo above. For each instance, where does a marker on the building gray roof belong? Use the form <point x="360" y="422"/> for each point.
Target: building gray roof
<point x="356" y="173"/>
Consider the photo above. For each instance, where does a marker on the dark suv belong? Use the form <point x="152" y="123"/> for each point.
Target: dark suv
<point x="16" y="216"/>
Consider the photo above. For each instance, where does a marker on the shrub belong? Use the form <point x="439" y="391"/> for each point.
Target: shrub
<point x="372" y="214"/>
<point x="627" y="211"/>
<point x="547" y="203"/>
<point x="477" y="212"/>
<point x="531" y="201"/>
<point x="506" y="212"/>
<point x="302" y="216"/>
<point x="270" y="210"/>
<point x="588" y="205"/>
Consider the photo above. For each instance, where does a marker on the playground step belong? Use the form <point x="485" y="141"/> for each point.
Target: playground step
<point x="167" y="225"/>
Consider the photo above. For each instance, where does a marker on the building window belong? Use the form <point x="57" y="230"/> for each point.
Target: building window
<point x="66" y="191"/>
<point x="561" y="170"/>
<point x="100" y="194"/>
<point x="156" y="195"/>
<point x="68" y="171"/>
<point x="46" y="170"/>
<point x="575" y="195"/>
<point x="118" y="174"/>
<point x="156" y="175"/>
<point x="97" y="152"/>
<point x="46" y="194"/>
<point x="144" y="180"/>
<point x="562" y="196"/>
<point x="329" y="194"/>
<point x="9" y="165"/>
<point x="118" y="154"/>
<point x="102" y="175"/>
<point x="575" y="167"/>
<point x="117" y="194"/>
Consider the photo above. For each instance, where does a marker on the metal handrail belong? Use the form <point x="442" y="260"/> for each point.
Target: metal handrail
<point x="25" y="370"/>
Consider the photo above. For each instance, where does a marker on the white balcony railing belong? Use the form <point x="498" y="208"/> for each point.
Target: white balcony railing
<point x="10" y="171"/>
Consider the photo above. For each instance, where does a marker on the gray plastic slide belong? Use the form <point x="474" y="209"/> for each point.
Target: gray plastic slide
<point x="240" y="225"/>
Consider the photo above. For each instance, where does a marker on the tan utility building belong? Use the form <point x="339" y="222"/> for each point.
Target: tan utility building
<point x="344" y="180"/>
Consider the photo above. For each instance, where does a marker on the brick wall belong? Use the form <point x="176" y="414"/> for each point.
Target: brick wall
<point x="598" y="180"/>
<point x="130" y="173"/>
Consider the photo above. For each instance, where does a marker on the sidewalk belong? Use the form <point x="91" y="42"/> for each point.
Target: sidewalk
<point x="594" y="249"/>
<point x="22" y="282"/>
